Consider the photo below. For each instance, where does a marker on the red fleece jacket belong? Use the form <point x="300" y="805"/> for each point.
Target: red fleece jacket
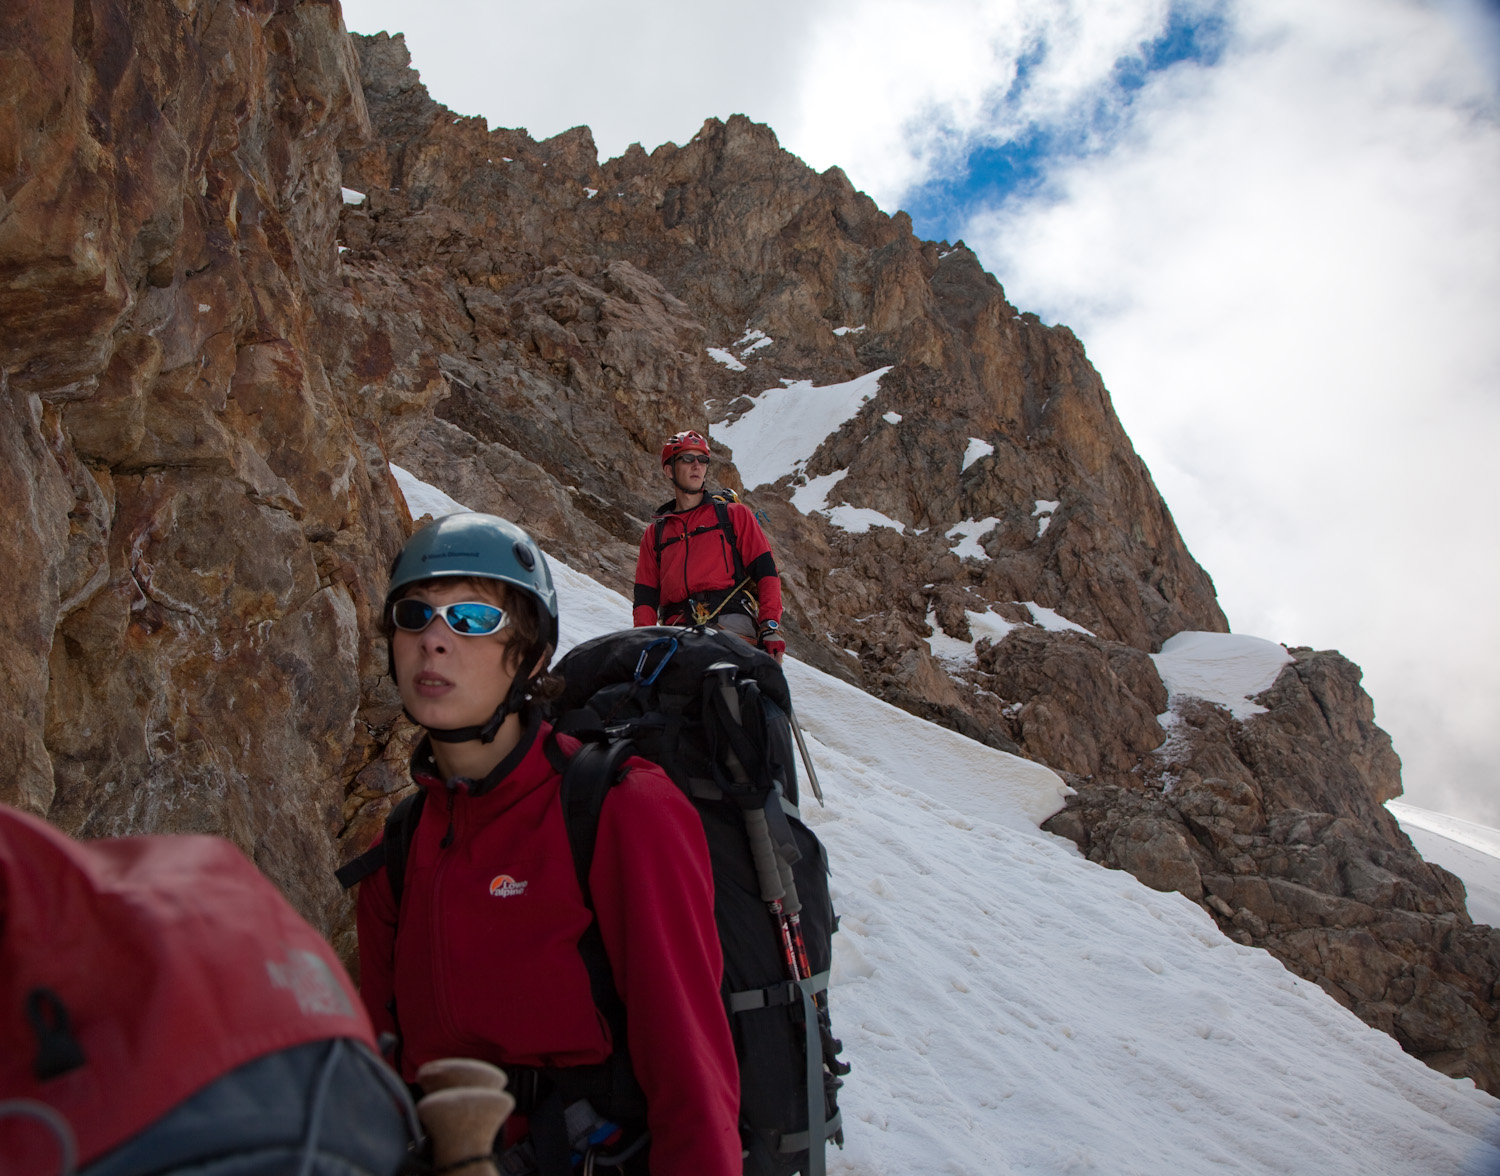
<point x="485" y="962"/>
<point x="696" y="557"/>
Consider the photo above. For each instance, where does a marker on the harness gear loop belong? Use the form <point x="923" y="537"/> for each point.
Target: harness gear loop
<point x="701" y="612"/>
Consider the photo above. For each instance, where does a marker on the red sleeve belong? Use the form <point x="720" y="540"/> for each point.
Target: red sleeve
<point x="653" y="892"/>
<point x="375" y="921"/>
<point x="647" y="583"/>
<point x="755" y="553"/>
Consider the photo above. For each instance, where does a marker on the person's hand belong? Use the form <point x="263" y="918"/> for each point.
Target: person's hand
<point x="772" y="641"/>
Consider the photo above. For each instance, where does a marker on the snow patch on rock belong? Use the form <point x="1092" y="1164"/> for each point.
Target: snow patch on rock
<point x="969" y="533"/>
<point x="784" y="426"/>
<point x="1053" y="622"/>
<point x="1045" y="508"/>
<point x="719" y="355"/>
<point x="1225" y="668"/>
<point x="958" y="654"/>
<point x="755" y="340"/>
<point x="978" y="447"/>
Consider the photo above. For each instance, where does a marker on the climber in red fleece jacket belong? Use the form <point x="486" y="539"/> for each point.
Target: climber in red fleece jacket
<point x="704" y="559"/>
<point x="482" y="956"/>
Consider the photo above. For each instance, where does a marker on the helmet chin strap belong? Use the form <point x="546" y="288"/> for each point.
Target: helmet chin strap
<point x="484" y="732"/>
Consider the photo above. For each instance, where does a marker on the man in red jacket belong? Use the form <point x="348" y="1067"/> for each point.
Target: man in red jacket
<point x="484" y="955"/>
<point x="704" y="559"/>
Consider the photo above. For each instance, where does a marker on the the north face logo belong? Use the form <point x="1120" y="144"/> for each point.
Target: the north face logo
<point x="312" y="982"/>
<point x="504" y="886"/>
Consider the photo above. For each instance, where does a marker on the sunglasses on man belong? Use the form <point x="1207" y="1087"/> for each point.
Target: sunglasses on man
<point x="467" y="618"/>
<point x="694" y="459"/>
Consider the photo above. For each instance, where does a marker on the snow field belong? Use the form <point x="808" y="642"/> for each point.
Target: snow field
<point x="1009" y="1007"/>
<point x="1471" y="851"/>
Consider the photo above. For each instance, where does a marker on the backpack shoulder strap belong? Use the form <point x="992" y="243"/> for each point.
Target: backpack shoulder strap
<point x="726" y="524"/>
<point x="390" y="852"/>
<point x="400" y="828"/>
<point x="590" y="773"/>
<point x="588" y="776"/>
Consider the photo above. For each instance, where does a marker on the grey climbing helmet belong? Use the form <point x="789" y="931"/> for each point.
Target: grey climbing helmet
<point x="482" y="547"/>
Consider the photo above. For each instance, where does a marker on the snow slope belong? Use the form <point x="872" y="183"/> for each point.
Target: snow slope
<point x="1010" y="1007"/>
<point x="1471" y="851"/>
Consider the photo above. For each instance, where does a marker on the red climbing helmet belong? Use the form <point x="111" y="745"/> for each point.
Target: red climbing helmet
<point x="689" y="441"/>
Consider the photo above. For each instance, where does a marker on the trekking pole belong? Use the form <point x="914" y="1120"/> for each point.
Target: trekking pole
<point x="772" y="890"/>
<point x="780" y="893"/>
<point x="812" y="772"/>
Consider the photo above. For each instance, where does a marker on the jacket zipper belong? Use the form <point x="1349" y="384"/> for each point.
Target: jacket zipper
<point x="444" y="997"/>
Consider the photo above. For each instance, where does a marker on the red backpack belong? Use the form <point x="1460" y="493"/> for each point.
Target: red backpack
<point x="136" y="971"/>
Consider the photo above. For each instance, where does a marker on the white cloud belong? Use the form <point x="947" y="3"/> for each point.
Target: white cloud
<point x="903" y="89"/>
<point x="1288" y="271"/>
<point x="647" y="71"/>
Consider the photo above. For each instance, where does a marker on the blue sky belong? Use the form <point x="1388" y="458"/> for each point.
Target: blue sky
<point x="987" y="172"/>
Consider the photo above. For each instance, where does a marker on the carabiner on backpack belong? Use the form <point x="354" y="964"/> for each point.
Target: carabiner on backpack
<point x="640" y="666"/>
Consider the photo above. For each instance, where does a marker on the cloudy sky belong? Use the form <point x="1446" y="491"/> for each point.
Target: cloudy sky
<point x="1274" y="224"/>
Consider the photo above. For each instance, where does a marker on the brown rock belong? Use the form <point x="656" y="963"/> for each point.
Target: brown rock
<point x="1157" y="853"/>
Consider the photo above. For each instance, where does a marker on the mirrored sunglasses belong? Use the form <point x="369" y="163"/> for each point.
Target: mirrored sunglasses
<point x="694" y="459"/>
<point x="467" y="618"/>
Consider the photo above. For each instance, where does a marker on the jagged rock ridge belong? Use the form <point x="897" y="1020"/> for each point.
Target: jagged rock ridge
<point x="210" y="362"/>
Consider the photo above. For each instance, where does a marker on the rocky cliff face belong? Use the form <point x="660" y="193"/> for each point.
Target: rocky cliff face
<point x="209" y="361"/>
<point x="197" y="518"/>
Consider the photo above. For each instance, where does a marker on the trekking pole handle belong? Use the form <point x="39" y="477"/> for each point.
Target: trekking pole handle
<point x="789" y="902"/>
<point x="764" y="855"/>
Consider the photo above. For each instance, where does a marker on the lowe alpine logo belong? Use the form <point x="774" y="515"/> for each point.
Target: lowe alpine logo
<point x="504" y="886"/>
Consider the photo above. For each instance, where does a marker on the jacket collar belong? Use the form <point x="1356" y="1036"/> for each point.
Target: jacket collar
<point x="669" y="507"/>
<point x="424" y="769"/>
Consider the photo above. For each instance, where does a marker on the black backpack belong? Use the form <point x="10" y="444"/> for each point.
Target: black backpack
<point x="713" y="711"/>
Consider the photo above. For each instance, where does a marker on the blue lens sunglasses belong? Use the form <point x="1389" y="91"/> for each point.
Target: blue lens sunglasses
<point x="467" y="618"/>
